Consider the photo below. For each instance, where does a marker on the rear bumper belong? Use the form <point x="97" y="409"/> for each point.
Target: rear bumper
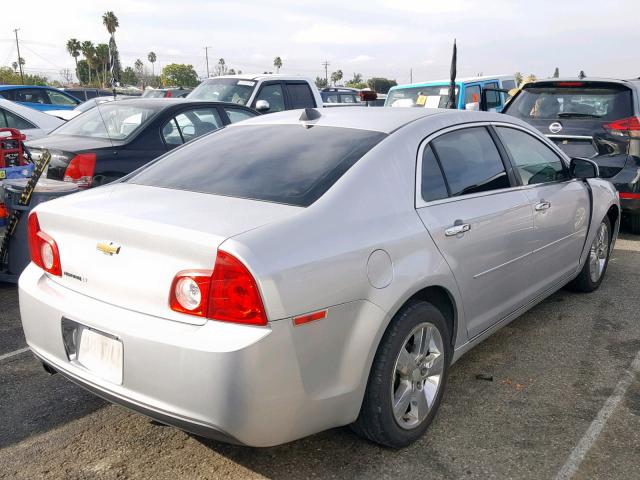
<point x="257" y="386"/>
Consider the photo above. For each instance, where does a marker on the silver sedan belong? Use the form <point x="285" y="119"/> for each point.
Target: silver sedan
<point x="310" y="269"/>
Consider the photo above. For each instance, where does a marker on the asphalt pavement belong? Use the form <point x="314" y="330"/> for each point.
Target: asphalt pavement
<point x="559" y="398"/>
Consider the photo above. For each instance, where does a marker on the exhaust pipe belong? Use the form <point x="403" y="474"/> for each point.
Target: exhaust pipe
<point x="49" y="369"/>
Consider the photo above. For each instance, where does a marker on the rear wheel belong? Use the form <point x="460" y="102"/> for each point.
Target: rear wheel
<point x="592" y="273"/>
<point x="407" y="377"/>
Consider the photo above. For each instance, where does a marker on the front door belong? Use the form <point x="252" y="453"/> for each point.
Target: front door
<point x="560" y="207"/>
<point x="481" y="225"/>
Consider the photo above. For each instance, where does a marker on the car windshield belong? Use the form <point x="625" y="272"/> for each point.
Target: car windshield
<point x="552" y="102"/>
<point x="434" y="96"/>
<point x="287" y="164"/>
<point x="112" y="120"/>
<point x="224" y="90"/>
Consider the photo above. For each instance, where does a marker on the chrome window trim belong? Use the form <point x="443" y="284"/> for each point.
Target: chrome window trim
<point x="421" y="203"/>
<point x="574" y="137"/>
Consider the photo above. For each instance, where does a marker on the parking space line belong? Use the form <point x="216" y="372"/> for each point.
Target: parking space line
<point x="14" y="353"/>
<point x="579" y="453"/>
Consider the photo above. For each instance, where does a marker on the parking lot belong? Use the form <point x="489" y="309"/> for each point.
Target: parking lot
<point x="558" y="395"/>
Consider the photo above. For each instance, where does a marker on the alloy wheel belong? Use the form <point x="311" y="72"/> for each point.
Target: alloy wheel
<point x="598" y="253"/>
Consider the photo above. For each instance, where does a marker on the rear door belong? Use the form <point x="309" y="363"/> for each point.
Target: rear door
<point x="482" y="225"/>
<point x="561" y="206"/>
<point x="299" y="95"/>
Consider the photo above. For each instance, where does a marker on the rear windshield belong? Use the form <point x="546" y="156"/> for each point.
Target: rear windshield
<point x="287" y="164"/>
<point x="604" y="102"/>
<point x="434" y="96"/>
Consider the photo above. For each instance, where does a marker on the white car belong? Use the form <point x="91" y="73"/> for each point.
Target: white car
<point x="33" y="123"/>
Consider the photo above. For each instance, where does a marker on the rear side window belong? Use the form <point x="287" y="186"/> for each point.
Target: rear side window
<point x="508" y="84"/>
<point x="470" y="161"/>
<point x="236" y="115"/>
<point x="535" y="162"/>
<point x="278" y="163"/>
<point x="433" y="185"/>
<point x="493" y="98"/>
<point x="190" y="124"/>
<point x="300" y="95"/>
<point x="552" y="102"/>
<point x="472" y="94"/>
<point x="10" y="120"/>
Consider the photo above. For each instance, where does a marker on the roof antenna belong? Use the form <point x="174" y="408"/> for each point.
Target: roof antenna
<point x="309" y="114"/>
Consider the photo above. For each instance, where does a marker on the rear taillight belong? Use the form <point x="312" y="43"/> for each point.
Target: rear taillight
<point x="168" y="94"/>
<point x="4" y="214"/>
<point x="626" y="127"/>
<point x="43" y="249"/>
<point x="228" y="294"/>
<point x="80" y="170"/>
<point x="629" y="195"/>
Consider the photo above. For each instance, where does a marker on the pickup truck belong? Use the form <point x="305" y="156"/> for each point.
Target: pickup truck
<point x="266" y="93"/>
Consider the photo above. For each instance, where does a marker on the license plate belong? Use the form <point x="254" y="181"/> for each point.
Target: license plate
<point x="101" y="354"/>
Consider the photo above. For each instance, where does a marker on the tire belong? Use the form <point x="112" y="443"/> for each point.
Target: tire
<point x="592" y="273"/>
<point x="420" y="385"/>
<point x="634" y="223"/>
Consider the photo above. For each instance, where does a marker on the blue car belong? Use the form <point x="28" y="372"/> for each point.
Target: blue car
<point x="39" y="97"/>
<point x="435" y="94"/>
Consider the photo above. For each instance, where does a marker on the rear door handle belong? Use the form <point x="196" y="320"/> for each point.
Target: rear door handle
<point x="456" y="229"/>
<point x="543" y="206"/>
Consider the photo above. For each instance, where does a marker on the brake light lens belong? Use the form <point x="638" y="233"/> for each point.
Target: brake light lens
<point x="627" y="127"/>
<point x="168" y="94"/>
<point x="42" y="248"/>
<point x="569" y="84"/>
<point x="80" y="170"/>
<point x="228" y="294"/>
<point x="629" y="195"/>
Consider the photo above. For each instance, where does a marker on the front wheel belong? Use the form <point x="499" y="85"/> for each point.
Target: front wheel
<point x="592" y="273"/>
<point x="407" y="377"/>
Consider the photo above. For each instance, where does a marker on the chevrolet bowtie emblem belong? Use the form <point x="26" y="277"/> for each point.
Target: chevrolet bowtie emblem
<point x="108" y="248"/>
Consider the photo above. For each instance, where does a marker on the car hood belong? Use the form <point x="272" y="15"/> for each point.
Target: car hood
<point x="71" y="143"/>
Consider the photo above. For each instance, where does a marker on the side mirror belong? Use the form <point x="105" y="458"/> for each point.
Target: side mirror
<point x="584" y="168"/>
<point x="262" y="106"/>
<point x="472" y="106"/>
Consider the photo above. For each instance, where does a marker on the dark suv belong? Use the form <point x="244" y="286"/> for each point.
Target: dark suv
<point x="595" y="118"/>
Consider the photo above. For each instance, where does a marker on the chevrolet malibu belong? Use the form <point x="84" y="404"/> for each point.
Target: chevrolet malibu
<point x="310" y="270"/>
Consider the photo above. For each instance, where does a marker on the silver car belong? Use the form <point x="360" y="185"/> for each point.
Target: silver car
<point x="305" y="270"/>
<point x="33" y="123"/>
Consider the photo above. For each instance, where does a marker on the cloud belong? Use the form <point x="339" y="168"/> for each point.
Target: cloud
<point x="341" y="34"/>
<point x="360" y="59"/>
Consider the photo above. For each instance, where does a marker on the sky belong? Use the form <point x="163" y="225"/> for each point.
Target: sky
<point x="388" y="38"/>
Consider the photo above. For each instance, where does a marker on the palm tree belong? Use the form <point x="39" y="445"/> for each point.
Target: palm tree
<point x="336" y="77"/>
<point x="110" y="21"/>
<point x="152" y="59"/>
<point x="89" y="51"/>
<point x="102" y="59"/>
<point x="15" y="66"/>
<point x="73" y="47"/>
<point x="277" y="64"/>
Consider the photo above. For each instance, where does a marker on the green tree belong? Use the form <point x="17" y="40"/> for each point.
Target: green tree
<point x="530" y="78"/>
<point x="73" y="47"/>
<point x="152" y="60"/>
<point x="83" y="72"/>
<point x="321" y="82"/>
<point x="88" y="50"/>
<point x="110" y="21"/>
<point x="380" y="84"/>
<point x="15" y="66"/>
<point x="336" y="77"/>
<point x="9" y="77"/>
<point x="128" y="77"/>
<point x="102" y="61"/>
<point x="220" y="68"/>
<point x="556" y="73"/>
<point x="356" y="82"/>
<point x="519" y="78"/>
<point x="277" y="64"/>
<point x="179" y="75"/>
<point x="581" y="75"/>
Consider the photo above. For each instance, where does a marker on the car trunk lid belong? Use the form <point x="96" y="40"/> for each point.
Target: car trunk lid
<point x="123" y="244"/>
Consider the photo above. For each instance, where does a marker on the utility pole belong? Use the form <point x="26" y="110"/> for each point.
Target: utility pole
<point x="326" y="72"/>
<point x="15" y="30"/>
<point x="206" y="54"/>
<point x="411" y="75"/>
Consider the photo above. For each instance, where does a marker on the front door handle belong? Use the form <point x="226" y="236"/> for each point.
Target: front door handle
<point x="543" y="206"/>
<point x="457" y="229"/>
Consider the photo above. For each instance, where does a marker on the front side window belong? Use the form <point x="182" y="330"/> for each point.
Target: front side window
<point x="301" y="96"/>
<point x="330" y="98"/>
<point x="273" y="94"/>
<point x="57" y="98"/>
<point x="433" y="96"/>
<point x="534" y="161"/>
<point x="470" y="161"/>
<point x="115" y="121"/>
<point x="433" y="186"/>
<point x="236" y="115"/>
<point x="471" y="94"/>
<point x="286" y="164"/>
<point x="29" y="95"/>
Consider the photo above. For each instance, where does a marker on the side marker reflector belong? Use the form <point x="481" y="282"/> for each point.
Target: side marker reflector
<point x="310" y="317"/>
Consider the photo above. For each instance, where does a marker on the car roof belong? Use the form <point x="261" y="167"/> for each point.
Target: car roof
<point x="7" y="87"/>
<point x="41" y="119"/>
<point x="583" y="80"/>
<point x="161" y="103"/>
<point x="259" y="76"/>
<point x="458" y="81"/>
<point x="385" y="120"/>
